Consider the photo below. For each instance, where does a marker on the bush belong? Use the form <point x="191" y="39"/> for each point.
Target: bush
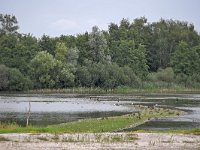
<point x="4" y="75"/>
<point x="130" y="78"/>
<point x="107" y="76"/>
<point x="164" y="75"/>
<point x="18" y="82"/>
<point x="83" y="77"/>
<point x="13" y="79"/>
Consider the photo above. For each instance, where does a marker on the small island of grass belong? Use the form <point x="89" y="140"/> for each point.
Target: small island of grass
<point x="98" y="125"/>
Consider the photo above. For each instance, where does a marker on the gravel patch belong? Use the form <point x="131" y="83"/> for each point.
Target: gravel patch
<point x="105" y="141"/>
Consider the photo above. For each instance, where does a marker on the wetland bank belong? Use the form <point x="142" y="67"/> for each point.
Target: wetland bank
<point x="70" y="47"/>
<point x="105" y="121"/>
<point x="131" y="112"/>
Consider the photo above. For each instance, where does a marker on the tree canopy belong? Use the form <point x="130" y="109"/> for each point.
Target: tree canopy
<point x="128" y="54"/>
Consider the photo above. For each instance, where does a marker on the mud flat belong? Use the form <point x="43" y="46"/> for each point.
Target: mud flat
<point x="130" y="140"/>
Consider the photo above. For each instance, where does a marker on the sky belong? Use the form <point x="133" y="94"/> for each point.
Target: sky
<point x="71" y="17"/>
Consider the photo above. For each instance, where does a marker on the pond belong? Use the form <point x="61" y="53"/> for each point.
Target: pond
<point x="60" y="108"/>
<point x="54" y="109"/>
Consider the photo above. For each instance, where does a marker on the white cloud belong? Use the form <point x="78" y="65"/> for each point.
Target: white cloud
<point x="64" y="25"/>
<point x="67" y="26"/>
<point x="94" y="22"/>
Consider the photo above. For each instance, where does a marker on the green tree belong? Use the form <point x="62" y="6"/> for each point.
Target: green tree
<point x="165" y="37"/>
<point x="17" y="81"/>
<point x="165" y="75"/>
<point x="16" y="52"/>
<point x="185" y="60"/>
<point x="4" y="77"/>
<point x="98" y="46"/>
<point x="48" y="44"/>
<point x="8" y="24"/>
<point x="12" y="79"/>
<point x="72" y="56"/>
<point x="83" y="77"/>
<point x="69" y="40"/>
<point x="130" y="78"/>
<point x="66" y="77"/>
<point x="61" y="51"/>
<point x="82" y="44"/>
<point x="42" y="65"/>
<point x="7" y="46"/>
<point x="128" y="55"/>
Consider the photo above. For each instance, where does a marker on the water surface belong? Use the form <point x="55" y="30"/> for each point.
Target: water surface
<point x="60" y="108"/>
<point x="54" y="109"/>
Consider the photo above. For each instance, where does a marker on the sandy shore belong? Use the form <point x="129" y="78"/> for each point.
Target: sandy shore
<point x="99" y="141"/>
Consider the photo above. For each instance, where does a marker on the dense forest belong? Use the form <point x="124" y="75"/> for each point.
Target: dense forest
<point x="135" y="54"/>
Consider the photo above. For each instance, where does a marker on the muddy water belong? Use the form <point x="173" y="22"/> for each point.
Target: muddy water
<point x="54" y="109"/>
<point x="59" y="108"/>
<point x="190" y="103"/>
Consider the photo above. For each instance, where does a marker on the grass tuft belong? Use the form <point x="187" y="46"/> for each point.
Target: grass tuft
<point x="3" y="139"/>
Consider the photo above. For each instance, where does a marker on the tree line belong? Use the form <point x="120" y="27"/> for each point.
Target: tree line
<point x="130" y="53"/>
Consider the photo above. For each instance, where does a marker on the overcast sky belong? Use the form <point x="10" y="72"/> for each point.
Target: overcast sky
<point x="56" y="17"/>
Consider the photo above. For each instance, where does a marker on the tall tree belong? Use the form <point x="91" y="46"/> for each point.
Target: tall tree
<point x="98" y="46"/>
<point x="48" y="44"/>
<point x="61" y="51"/>
<point x="82" y="43"/>
<point x="127" y="54"/>
<point x="185" y="60"/>
<point x="4" y="77"/>
<point x="16" y="52"/>
<point x="8" y="24"/>
<point x="42" y="65"/>
<point x="166" y="35"/>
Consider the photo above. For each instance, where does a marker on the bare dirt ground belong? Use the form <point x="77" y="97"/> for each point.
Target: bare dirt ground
<point x="140" y="141"/>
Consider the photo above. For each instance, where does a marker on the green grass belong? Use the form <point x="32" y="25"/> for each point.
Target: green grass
<point x="99" y="125"/>
<point x="147" y="88"/>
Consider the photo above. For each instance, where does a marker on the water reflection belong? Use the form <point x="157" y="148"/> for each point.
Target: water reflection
<point x="47" y="110"/>
<point x="60" y="108"/>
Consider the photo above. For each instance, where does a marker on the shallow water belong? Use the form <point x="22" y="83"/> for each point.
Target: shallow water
<point x="60" y="108"/>
<point x="189" y="103"/>
<point x="54" y="109"/>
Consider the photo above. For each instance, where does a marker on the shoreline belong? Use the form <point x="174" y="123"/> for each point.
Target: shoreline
<point x="82" y="141"/>
<point x="126" y="90"/>
<point x="97" y="125"/>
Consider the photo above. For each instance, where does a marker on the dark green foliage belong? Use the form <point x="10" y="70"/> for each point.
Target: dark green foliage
<point x="48" y="44"/>
<point x="107" y="76"/>
<point x="4" y="77"/>
<point x="83" y="76"/>
<point x="165" y="36"/>
<point x="186" y="60"/>
<point x="130" y="54"/>
<point x="17" y="51"/>
<point x="7" y="46"/>
<point x="126" y="45"/>
<point x="18" y="82"/>
<point x="165" y="75"/>
<point x="82" y="43"/>
<point x="13" y="79"/>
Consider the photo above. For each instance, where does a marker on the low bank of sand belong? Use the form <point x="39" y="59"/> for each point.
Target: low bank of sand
<point x="91" y="141"/>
